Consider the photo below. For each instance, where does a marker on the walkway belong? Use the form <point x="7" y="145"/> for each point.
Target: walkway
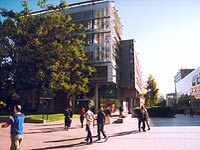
<point x="177" y="133"/>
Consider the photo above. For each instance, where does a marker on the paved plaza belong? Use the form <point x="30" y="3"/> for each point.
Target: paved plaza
<point x="180" y="133"/>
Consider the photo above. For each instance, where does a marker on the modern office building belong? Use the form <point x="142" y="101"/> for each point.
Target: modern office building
<point x="183" y="81"/>
<point x="189" y="85"/>
<point x="116" y="63"/>
<point x="103" y="35"/>
<point x="131" y="82"/>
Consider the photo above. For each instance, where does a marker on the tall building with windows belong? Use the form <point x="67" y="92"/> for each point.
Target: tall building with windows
<point x="189" y="85"/>
<point x="103" y="35"/>
<point x="107" y="53"/>
<point x="131" y="82"/>
<point x="182" y="81"/>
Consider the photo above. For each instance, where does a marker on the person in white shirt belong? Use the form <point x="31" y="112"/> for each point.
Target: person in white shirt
<point x="89" y="116"/>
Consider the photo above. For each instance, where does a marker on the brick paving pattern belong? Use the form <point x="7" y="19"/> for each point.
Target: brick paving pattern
<point x="180" y="133"/>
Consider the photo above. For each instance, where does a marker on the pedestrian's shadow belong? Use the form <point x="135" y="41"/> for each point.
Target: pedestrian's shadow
<point x="72" y="139"/>
<point x="124" y="133"/>
<point x="47" y="130"/>
<point x="44" y="130"/>
<point x="62" y="146"/>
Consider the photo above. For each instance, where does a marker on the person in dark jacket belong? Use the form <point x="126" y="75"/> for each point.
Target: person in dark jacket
<point x="147" y="118"/>
<point x="141" y="118"/>
<point x="107" y="115"/>
<point x="68" y="119"/>
<point x="100" y="123"/>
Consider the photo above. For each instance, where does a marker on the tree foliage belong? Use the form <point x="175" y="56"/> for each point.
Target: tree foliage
<point x="151" y="96"/>
<point x="44" y="52"/>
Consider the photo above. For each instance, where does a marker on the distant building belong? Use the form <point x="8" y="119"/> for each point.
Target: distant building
<point x="181" y="74"/>
<point x="170" y="99"/>
<point x="189" y="84"/>
<point x="183" y="81"/>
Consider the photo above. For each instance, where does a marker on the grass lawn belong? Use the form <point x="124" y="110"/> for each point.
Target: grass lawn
<point x="48" y="118"/>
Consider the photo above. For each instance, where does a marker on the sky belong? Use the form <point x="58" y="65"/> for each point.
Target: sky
<point x="166" y="34"/>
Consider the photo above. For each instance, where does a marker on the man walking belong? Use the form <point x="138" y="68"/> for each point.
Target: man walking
<point x="89" y="125"/>
<point x="16" y="131"/>
<point x="100" y="123"/>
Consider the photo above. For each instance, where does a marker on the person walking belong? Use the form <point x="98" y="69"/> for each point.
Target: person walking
<point x="141" y="118"/>
<point x="89" y="115"/>
<point x="16" y="121"/>
<point x="100" y="124"/>
<point x="147" y="118"/>
<point x="82" y="115"/>
<point x="108" y="114"/>
<point x="191" y="112"/>
<point x="68" y="119"/>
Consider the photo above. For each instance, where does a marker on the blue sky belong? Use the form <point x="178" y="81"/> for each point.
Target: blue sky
<point x="166" y="34"/>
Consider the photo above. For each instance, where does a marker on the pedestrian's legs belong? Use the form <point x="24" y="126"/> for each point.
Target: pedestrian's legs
<point x="81" y="120"/>
<point x="143" y="125"/>
<point x="147" y="122"/>
<point x="65" y="123"/>
<point x="89" y="134"/>
<point x="102" y="130"/>
<point x="139" y="124"/>
<point x="98" y="131"/>
<point x="15" y="142"/>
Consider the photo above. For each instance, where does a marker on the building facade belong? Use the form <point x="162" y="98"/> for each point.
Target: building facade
<point x="183" y="81"/>
<point x="170" y="99"/>
<point x="131" y="82"/>
<point x="189" y="85"/>
<point x="103" y="35"/>
<point x="107" y="53"/>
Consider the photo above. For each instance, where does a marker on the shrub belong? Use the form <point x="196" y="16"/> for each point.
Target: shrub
<point x="159" y="112"/>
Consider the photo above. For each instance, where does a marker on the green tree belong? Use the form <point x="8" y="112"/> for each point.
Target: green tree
<point x="45" y="52"/>
<point x="184" y="101"/>
<point x="151" y="96"/>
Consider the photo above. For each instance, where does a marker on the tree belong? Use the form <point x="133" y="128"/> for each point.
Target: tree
<point x="45" y="52"/>
<point x="151" y="96"/>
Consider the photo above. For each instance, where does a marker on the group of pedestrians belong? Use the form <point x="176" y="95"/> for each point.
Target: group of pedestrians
<point x="16" y="121"/>
<point x="90" y="119"/>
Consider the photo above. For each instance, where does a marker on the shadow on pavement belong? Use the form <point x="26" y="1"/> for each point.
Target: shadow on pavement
<point x="53" y="124"/>
<point x="62" y="146"/>
<point x="72" y="139"/>
<point x="47" y="130"/>
<point x="124" y="133"/>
